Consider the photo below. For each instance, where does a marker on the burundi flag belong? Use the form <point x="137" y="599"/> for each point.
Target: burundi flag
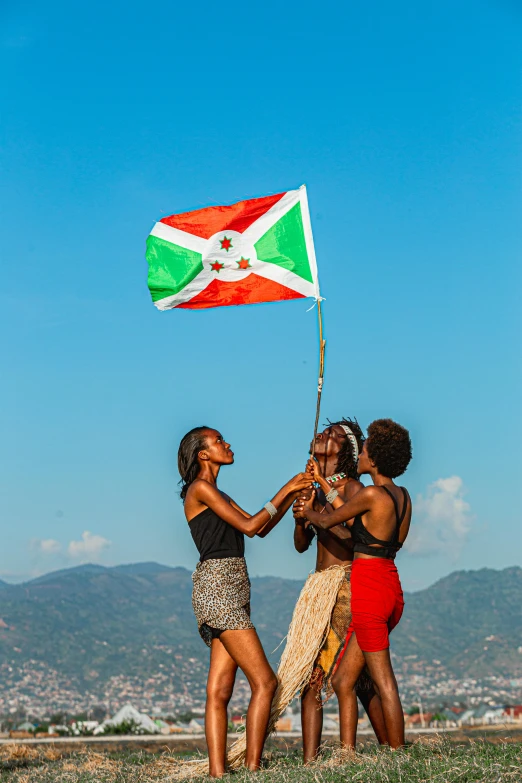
<point x="260" y="250"/>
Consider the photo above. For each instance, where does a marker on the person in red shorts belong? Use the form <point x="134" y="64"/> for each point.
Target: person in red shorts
<point x="379" y="520"/>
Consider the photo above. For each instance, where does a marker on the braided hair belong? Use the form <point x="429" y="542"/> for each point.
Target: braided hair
<point x="191" y="444"/>
<point x="347" y="459"/>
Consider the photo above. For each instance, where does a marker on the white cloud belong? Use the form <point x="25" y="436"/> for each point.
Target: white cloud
<point x="89" y="547"/>
<point x="46" y="546"/>
<point x="441" y="520"/>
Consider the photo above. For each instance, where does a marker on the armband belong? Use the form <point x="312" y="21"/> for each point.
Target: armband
<point x="330" y="497"/>
<point x="272" y="510"/>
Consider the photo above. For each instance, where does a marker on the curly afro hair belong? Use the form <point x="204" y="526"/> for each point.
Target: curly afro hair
<point x="346" y="459"/>
<point x="389" y="446"/>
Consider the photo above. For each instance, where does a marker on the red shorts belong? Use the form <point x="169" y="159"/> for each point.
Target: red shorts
<point x="377" y="603"/>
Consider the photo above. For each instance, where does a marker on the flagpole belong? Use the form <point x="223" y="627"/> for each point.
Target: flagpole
<point x="322" y="346"/>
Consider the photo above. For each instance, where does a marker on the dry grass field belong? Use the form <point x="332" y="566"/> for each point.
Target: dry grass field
<point x="437" y="760"/>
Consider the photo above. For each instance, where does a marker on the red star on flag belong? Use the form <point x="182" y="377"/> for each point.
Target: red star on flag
<point x="226" y="244"/>
<point x="192" y="255"/>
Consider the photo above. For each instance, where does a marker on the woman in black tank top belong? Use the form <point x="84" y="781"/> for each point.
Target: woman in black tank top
<point x="221" y="593"/>
<point x="379" y="520"/>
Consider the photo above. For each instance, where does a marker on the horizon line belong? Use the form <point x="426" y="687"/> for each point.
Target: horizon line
<point x="161" y="566"/>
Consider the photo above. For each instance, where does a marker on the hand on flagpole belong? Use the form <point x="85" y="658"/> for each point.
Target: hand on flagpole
<point x="312" y="467"/>
<point x="299" y="482"/>
<point x="302" y="505"/>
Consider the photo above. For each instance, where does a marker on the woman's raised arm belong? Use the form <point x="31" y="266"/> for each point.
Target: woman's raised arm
<point x="270" y="525"/>
<point x="208" y="495"/>
<point x="359" y="504"/>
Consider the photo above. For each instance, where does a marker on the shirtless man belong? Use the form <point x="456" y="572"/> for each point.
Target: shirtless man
<point x="336" y="452"/>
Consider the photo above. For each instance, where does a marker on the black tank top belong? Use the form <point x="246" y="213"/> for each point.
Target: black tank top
<point x="362" y="538"/>
<point x="215" y="538"/>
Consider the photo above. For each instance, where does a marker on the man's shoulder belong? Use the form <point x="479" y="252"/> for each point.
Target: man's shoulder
<point x="351" y="488"/>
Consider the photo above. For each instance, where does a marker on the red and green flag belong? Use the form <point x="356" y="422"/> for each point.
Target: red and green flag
<point x="260" y="250"/>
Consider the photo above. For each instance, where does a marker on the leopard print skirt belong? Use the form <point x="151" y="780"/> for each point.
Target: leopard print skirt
<point x="221" y="596"/>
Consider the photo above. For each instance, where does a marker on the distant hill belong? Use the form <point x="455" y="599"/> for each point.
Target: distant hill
<point x="92" y="622"/>
<point x="471" y="621"/>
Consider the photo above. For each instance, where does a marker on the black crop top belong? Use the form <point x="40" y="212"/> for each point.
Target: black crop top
<point x="362" y="538"/>
<point x="215" y="538"/>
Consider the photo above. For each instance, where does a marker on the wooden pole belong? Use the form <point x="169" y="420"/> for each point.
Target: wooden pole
<point x="322" y="345"/>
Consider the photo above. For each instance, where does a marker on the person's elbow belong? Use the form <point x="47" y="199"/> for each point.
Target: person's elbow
<point x="328" y="523"/>
<point x="328" y="527"/>
<point x="301" y="546"/>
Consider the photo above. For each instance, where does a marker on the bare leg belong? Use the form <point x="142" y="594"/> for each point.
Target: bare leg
<point x="381" y="672"/>
<point x="311" y="723"/>
<point x="245" y="649"/>
<point x="343" y="683"/>
<point x="371" y="702"/>
<point x="220" y="684"/>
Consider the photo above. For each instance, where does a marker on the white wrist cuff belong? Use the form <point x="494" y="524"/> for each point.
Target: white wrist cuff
<point x="272" y="510"/>
<point x="330" y="497"/>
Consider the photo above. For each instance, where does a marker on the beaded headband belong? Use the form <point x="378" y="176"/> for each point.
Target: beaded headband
<point x="353" y="440"/>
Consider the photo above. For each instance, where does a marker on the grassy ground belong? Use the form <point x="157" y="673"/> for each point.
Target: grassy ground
<point x="436" y="761"/>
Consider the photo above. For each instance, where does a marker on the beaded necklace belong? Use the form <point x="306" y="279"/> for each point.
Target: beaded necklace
<point x="335" y="477"/>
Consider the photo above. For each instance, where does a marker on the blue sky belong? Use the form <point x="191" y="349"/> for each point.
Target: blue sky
<point x="405" y="124"/>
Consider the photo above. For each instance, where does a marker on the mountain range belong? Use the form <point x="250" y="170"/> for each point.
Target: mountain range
<point x="93" y="622"/>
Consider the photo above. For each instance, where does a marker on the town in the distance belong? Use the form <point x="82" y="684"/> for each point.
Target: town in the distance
<point x="37" y="701"/>
<point x="106" y="675"/>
